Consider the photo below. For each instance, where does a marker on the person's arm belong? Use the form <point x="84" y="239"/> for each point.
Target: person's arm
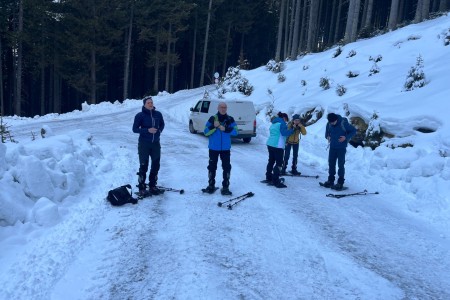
<point x="232" y="128"/>
<point x="209" y="127"/>
<point x="284" y="130"/>
<point x="137" y="125"/>
<point x="162" y="124"/>
<point x="351" y="131"/>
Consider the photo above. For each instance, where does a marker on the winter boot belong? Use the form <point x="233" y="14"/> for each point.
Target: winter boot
<point x="328" y="184"/>
<point x="155" y="191"/>
<point x="225" y="191"/>
<point x="279" y="184"/>
<point x="338" y="187"/>
<point x="295" y="172"/>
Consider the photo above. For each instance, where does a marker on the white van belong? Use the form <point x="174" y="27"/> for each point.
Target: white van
<point x="242" y="111"/>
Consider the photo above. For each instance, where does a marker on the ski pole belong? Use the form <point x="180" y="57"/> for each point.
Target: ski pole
<point x="249" y="194"/>
<point x="354" y="194"/>
<point x="168" y="189"/>
<point x="230" y="206"/>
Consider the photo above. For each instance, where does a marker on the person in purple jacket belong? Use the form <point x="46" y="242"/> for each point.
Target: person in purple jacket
<point x="149" y="123"/>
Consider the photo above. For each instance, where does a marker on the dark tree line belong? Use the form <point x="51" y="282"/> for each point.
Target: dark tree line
<point x="54" y="55"/>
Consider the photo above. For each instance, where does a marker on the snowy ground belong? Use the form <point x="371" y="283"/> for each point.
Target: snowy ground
<point x="292" y="243"/>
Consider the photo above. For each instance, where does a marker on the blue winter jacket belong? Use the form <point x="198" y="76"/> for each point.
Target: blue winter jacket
<point x="337" y="130"/>
<point x="147" y="119"/>
<point x="220" y="140"/>
<point x="278" y="132"/>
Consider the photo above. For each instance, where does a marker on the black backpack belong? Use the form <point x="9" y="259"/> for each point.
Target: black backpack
<point x="120" y="196"/>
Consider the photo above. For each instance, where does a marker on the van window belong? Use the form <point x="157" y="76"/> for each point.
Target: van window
<point x="198" y="106"/>
<point x="205" y="106"/>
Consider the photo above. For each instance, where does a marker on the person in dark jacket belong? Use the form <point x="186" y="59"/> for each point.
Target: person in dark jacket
<point x="338" y="133"/>
<point x="149" y="123"/>
<point x="219" y="129"/>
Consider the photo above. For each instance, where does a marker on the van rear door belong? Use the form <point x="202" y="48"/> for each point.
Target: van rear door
<point x="244" y="115"/>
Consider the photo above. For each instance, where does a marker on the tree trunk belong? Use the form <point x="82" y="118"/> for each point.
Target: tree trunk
<point x="42" y="100"/>
<point x="294" y="50"/>
<point x="205" y="50"/>
<point x="56" y="89"/>
<point x="194" y="49"/>
<point x="331" y="27"/>
<point x="280" y="31"/>
<point x="288" y="31"/>
<point x="227" y="45"/>
<point x="156" y="70"/>
<point x="442" y="5"/>
<point x="312" y="28"/>
<point x="338" y="21"/>
<point x="18" y="92"/>
<point x="425" y="9"/>
<point x="126" y="69"/>
<point x="418" y="17"/>
<point x="2" y="99"/>
<point x="93" y="83"/>
<point x="369" y="12"/>
<point x="393" y="15"/>
<point x="356" y="20"/>
<point x="304" y="26"/>
<point x="167" y="87"/>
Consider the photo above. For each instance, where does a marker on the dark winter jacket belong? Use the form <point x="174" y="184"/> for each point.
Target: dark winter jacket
<point x="341" y="128"/>
<point x="220" y="140"/>
<point x="147" y="119"/>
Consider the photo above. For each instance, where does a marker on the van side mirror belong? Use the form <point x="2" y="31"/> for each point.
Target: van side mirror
<point x="191" y="109"/>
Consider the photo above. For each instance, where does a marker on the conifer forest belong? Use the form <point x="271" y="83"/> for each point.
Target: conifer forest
<point x="57" y="54"/>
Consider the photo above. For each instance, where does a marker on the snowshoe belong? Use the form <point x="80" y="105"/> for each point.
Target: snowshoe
<point x="210" y="189"/>
<point x="326" y="184"/>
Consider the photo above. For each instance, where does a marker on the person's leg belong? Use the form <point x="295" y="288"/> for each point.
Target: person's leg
<point x="341" y="165"/>
<point x="294" y="158"/>
<point x="278" y="165"/>
<point x="212" y="167"/>
<point x="287" y="154"/>
<point x="226" y="167"/>
<point x="155" y="155"/>
<point x="143" y="153"/>
<point x="332" y="157"/>
<point x="270" y="163"/>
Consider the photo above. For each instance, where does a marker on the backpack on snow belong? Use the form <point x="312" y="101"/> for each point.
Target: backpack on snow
<point x="120" y="196"/>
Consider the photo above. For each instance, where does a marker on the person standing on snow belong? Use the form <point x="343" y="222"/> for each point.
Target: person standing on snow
<point x="275" y="145"/>
<point x="149" y="123"/>
<point x="338" y="133"/>
<point x="219" y="129"/>
<point x="293" y="142"/>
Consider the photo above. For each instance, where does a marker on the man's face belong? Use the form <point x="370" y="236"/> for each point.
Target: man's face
<point x="149" y="104"/>
<point x="222" y="108"/>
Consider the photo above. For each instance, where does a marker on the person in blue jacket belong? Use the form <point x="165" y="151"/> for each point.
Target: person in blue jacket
<point x="338" y="133"/>
<point x="275" y="145"/>
<point x="149" y="123"/>
<point x="219" y="129"/>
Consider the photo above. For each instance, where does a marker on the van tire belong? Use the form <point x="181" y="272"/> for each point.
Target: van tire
<point x="247" y="139"/>
<point x="191" y="128"/>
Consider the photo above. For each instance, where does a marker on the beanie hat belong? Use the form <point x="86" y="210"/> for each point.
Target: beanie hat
<point x="296" y="117"/>
<point x="147" y="98"/>
<point x="332" y="117"/>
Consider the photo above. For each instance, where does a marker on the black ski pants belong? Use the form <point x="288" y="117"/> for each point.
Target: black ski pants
<point x="148" y="150"/>
<point x="275" y="158"/>
<point x="226" y="166"/>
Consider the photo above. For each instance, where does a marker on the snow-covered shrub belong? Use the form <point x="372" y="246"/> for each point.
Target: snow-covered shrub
<point x="235" y="82"/>
<point x="351" y="74"/>
<point x="446" y="38"/>
<point x="340" y="90"/>
<point x="374" y="134"/>
<point x="416" y="76"/>
<point x="351" y="53"/>
<point x="374" y="70"/>
<point x="275" y="67"/>
<point x="324" y="83"/>
<point x="305" y="67"/>
<point x="281" y="77"/>
<point x="303" y="82"/>
<point x="376" y="59"/>
<point x="5" y="133"/>
<point x="337" y="52"/>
